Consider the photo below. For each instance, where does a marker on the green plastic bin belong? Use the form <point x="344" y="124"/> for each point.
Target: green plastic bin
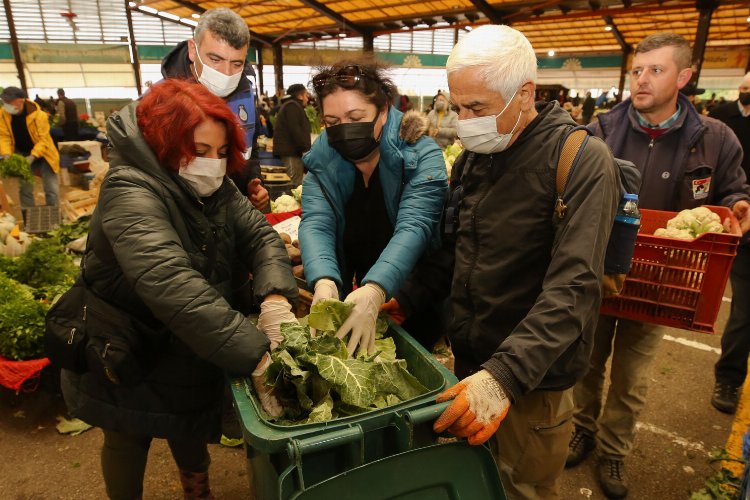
<point x="284" y="460"/>
<point x="453" y="471"/>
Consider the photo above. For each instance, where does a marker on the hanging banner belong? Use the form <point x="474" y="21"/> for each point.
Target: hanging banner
<point x="726" y="58"/>
<point x="74" y="53"/>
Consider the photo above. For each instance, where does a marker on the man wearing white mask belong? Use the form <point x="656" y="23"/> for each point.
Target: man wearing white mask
<point x="215" y="57"/>
<point x="526" y="284"/>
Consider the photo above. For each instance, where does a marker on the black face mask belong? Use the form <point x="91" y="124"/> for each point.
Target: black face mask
<point x="745" y="98"/>
<point x="353" y="141"/>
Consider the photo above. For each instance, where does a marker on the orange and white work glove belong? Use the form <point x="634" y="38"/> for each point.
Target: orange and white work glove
<point x="393" y="310"/>
<point x="367" y="300"/>
<point x="324" y="289"/>
<point x="272" y="314"/>
<point x="479" y="405"/>
<point x="268" y="399"/>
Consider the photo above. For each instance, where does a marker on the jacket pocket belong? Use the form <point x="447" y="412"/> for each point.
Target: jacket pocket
<point x="695" y="187"/>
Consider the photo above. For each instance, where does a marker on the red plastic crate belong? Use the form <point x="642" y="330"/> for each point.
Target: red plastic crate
<point x="677" y="283"/>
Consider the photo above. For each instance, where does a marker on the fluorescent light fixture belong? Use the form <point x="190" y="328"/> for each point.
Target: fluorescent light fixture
<point x="342" y="35"/>
<point x="551" y="53"/>
<point x="167" y="15"/>
<point x="145" y="8"/>
<point x="189" y="22"/>
<point x="131" y="4"/>
<point x="608" y="28"/>
<point x="468" y="28"/>
<point x="195" y="16"/>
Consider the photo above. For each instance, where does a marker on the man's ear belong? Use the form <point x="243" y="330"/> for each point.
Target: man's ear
<point x="528" y="93"/>
<point x="683" y="78"/>
<point x="192" y="50"/>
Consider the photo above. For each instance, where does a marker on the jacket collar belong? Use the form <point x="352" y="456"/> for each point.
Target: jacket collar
<point x="689" y="121"/>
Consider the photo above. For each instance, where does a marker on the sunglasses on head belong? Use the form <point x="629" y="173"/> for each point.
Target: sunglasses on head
<point x="347" y="77"/>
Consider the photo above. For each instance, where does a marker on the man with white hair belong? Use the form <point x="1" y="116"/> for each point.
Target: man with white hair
<point x="526" y="284"/>
<point x="731" y="369"/>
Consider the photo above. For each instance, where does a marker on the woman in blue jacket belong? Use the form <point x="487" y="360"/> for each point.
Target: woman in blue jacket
<point x="372" y="199"/>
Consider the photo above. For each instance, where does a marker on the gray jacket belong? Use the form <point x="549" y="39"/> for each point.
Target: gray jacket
<point x="447" y="131"/>
<point x="696" y="162"/>
<point x="167" y="257"/>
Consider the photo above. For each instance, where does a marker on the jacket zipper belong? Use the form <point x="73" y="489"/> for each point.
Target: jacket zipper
<point x="475" y="238"/>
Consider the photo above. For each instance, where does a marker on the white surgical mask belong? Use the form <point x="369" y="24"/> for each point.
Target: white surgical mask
<point x="480" y="135"/>
<point x="204" y="175"/>
<point x="11" y="109"/>
<point x="217" y="82"/>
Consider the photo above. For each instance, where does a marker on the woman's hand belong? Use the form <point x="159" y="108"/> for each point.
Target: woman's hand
<point x="367" y="301"/>
<point x="274" y="311"/>
<point x="268" y="399"/>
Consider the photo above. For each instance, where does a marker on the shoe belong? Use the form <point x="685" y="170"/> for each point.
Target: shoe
<point x="611" y="478"/>
<point x="725" y="397"/>
<point x="581" y="445"/>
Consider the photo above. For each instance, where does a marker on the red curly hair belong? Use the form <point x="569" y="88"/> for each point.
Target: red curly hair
<point x="169" y="113"/>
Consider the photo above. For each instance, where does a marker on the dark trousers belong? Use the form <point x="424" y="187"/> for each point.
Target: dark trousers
<point x="124" y="461"/>
<point x="735" y="343"/>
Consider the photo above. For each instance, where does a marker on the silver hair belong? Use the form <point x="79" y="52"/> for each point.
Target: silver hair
<point x="504" y="55"/>
<point x="226" y="25"/>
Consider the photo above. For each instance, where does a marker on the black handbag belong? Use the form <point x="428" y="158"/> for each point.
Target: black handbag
<point x="65" y="334"/>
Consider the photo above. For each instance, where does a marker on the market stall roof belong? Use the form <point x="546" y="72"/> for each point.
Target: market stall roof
<point x="560" y="25"/>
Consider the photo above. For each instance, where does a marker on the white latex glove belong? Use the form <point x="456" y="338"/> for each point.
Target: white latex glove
<point x="479" y="405"/>
<point x="324" y="289"/>
<point x="367" y="301"/>
<point x="268" y="399"/>
<point x="272" y="314"/>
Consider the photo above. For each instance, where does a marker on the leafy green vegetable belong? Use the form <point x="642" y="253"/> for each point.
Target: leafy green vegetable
<point x="316" y="381"/>
<point x="16" y="166"/>
<point x="21" y="321"/>
<point x="71" y="232"/>
<point x="46" y="263"/>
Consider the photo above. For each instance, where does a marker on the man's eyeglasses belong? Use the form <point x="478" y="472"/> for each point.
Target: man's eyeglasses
<point x="347" y="77"/>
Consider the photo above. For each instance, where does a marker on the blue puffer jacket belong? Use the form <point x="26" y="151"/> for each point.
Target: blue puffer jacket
<point x="414" y="183"/>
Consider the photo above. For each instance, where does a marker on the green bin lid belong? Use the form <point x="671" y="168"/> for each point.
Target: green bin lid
<point x="449" y="471"/>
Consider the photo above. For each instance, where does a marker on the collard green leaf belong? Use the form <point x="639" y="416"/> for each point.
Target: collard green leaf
<point x="350" y="377"/>
<point x="392" y="377"/>
<point x="329" y="344"/>
<point x="296" y="337"/>
<point x="329" y="315"/>
<point x="323" y="411"/>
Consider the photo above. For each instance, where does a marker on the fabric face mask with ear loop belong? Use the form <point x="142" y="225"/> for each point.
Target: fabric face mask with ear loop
<point x="205" y="175"/>
<point x="480" y="135"/>
<point x="217" y="82"/>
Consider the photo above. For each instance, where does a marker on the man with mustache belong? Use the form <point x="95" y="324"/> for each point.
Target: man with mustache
<point x="686" y="160"/>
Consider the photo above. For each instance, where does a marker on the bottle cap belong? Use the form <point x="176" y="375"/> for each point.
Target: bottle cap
<point x="631" y="197"/>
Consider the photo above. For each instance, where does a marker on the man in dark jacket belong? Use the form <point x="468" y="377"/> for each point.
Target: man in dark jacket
<point x="67" y="113"/>
<point x="731" y="369"/>
<point x="525" y="289"/>
<point x="216" y="57"/>
<point x="291" y="135"/>
<point x="686" y="160"/>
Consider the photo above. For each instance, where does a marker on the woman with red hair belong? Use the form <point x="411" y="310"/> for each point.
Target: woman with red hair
<point x="169" y="231"/>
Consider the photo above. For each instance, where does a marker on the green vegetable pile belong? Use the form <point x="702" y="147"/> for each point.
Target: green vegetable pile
<point x="16" y="166"/>
<point x="451" y="152"/>
<point x="71" y="232"/>
<point x="28" y="284"/>
<point x="316" y="381"/>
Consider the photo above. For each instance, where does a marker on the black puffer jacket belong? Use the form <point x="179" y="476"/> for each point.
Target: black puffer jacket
<point x="526" y="290"/>
<point x="167" y="257"/>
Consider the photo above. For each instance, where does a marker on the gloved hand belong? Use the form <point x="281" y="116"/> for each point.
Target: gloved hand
<point x="257" y="193"/>
<point x="268" y="399"/>
<point x="324" y="289"/>
<point x="30" y="159"/>
<point x="479" y="405"/>
<point x="393" y="310"/>
<point x="272" y="314"/>
<point x="367" y="300"/>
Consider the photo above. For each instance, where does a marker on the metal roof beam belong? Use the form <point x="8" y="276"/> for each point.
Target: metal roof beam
<point x="488" y="11"/>
<point x="706" y="10"/>
<point x="14" y="44"/>
<point x="335" y="16"/>
<point x="617" y="34"/>
<point x="200" y="10"/>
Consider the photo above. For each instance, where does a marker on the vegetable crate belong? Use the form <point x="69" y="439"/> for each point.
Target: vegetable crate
<point x="297" y="461"/>
<point x="677" y="283"/>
